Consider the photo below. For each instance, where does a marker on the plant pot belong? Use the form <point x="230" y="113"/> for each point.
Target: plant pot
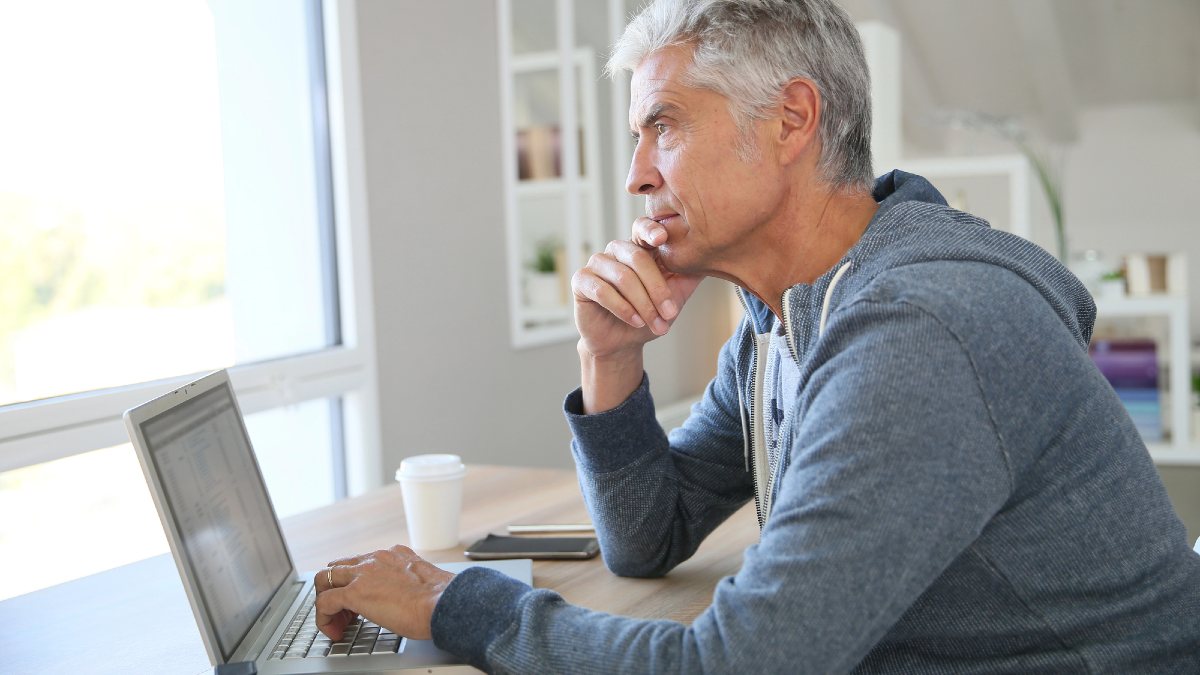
<point x="542" y="289"/>
<point x="1112" y="289"/>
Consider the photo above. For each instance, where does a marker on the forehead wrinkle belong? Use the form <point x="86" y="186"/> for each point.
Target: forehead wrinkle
<point x="655" y="112"/>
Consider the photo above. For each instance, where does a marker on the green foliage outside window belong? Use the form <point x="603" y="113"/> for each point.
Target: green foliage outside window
<point x="57" y="258"/>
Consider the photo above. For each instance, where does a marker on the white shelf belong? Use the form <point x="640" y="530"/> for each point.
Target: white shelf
<point x="1146" y="305"/>
<point x="1169" y="455"/>
<point x="546" y="334"/>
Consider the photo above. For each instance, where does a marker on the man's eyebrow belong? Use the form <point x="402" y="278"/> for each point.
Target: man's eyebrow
<point x="654" y="113"/>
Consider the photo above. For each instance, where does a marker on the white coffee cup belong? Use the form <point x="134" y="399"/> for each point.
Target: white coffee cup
<point x="432" y="489"/>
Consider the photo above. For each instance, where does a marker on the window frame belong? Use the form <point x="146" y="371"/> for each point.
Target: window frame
<point x="40" y="431"/>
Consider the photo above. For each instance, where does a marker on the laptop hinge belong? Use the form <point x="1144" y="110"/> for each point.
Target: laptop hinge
<point x="270" y="623"/>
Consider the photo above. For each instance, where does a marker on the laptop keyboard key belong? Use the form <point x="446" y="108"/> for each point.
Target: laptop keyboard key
<point x="301" y="639"/>
<point x="386" y="647"/>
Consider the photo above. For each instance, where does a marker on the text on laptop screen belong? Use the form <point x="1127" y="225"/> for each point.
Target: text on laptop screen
<point x="229" y="532"/>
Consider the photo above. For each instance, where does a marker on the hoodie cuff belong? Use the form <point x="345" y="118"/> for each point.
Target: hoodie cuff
<point x="614" y="438"/>
<point x="477" y="606"/>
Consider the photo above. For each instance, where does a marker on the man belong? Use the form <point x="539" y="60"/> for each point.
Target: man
<point x="943" y="480"/>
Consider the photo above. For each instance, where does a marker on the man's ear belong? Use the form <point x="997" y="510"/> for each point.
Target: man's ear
<point x="800" y="114"/>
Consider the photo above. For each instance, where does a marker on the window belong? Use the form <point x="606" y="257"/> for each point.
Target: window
<point x="168" y="189"/>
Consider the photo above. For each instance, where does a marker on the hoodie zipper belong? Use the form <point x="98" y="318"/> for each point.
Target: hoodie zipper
<point x="749" y="435"/>
<point x="773" y="471"/>
<point x="762" y="500"/>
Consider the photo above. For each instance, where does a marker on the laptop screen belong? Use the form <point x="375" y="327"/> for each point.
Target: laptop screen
<point x="217" y="498"/>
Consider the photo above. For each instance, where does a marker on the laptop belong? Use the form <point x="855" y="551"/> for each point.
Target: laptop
<point x="245" y="593"/>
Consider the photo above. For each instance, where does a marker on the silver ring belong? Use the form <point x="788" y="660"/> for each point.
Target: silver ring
<point x="329" y="576"/>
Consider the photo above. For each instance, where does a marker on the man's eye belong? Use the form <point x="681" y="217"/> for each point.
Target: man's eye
<point x="660" y="128"/>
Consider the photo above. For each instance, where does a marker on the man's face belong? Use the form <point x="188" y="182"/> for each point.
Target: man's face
<point x="686" y="164"/>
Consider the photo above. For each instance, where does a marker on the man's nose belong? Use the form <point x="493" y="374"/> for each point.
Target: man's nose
<point x="643" y="177"/>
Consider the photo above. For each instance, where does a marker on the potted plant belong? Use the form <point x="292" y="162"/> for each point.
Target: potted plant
<point x="1112" y="284"/>
<point x="543" y="288"/>
<point x="1195" y="405"/>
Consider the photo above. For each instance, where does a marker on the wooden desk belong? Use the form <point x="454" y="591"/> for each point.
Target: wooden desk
<point x="136" y="619"/>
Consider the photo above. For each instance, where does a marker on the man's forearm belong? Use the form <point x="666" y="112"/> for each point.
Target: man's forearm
<point x="608" y="381"/>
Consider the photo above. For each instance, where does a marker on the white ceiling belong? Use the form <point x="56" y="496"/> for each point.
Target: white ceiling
<point x="1039" y="61"/>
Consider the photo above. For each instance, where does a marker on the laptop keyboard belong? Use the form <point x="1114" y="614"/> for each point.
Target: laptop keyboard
<point x="302" y="640"/>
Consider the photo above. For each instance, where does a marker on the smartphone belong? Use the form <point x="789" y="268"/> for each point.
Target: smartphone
<point x="551" y="529"/>
<point x="495" y="547"/>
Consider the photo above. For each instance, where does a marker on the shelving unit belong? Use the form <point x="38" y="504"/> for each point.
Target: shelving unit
<point x="552" y="153"/>
<point x="1181" y="450"/>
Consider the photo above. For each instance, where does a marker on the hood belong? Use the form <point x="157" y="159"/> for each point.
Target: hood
<point x="915" y="225"/>
<point x="898" y="187"/>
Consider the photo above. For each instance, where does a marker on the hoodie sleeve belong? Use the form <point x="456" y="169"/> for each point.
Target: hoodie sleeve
<point x="894" y="471"/>
<point x="653" y="499"/>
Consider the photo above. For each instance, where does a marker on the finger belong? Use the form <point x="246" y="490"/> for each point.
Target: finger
<point x="396" y="554"/>
<point x="324" y="578"/>
<point x="629" y="282"/>
<point x="335" y="576"/>
<point x="649" y="273"/>
<point x="404" y="552"/>
<point x="588" y="286"/>
<point x="335" y="628"/>
<point x="349" y="560"/>
<point x="332" y="615"/>
<point x="649" y="233"/>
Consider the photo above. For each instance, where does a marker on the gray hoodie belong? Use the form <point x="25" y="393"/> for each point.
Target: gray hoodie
<point x="959" y="489"/>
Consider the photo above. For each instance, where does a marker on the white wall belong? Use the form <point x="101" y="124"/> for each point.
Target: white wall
<point x="448" y="378"/>
<point x="1130" y="185"/>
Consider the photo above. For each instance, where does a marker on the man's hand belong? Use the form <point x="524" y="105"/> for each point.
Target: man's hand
<point x="624" y="298"/>
<point x="394" y="588"/>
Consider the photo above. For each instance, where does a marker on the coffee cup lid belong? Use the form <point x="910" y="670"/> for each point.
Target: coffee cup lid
<point x="430" y="467"/>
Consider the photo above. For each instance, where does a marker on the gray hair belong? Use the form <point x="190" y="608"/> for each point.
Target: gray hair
<point x="746" y="50"/>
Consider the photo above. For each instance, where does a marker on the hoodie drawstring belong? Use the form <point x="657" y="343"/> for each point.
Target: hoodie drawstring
<point x="829" y="296"/>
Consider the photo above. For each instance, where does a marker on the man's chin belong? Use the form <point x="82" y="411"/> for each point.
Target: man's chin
<point x="676" y="262"/>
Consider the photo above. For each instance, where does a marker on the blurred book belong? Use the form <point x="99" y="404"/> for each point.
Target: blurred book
<point x="539" y="153"/>
<point x="1131" y="367"/>
<point x="1156" y="273"/>
<point x="1127" y="363"/>
<point x="536" y="150"/>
